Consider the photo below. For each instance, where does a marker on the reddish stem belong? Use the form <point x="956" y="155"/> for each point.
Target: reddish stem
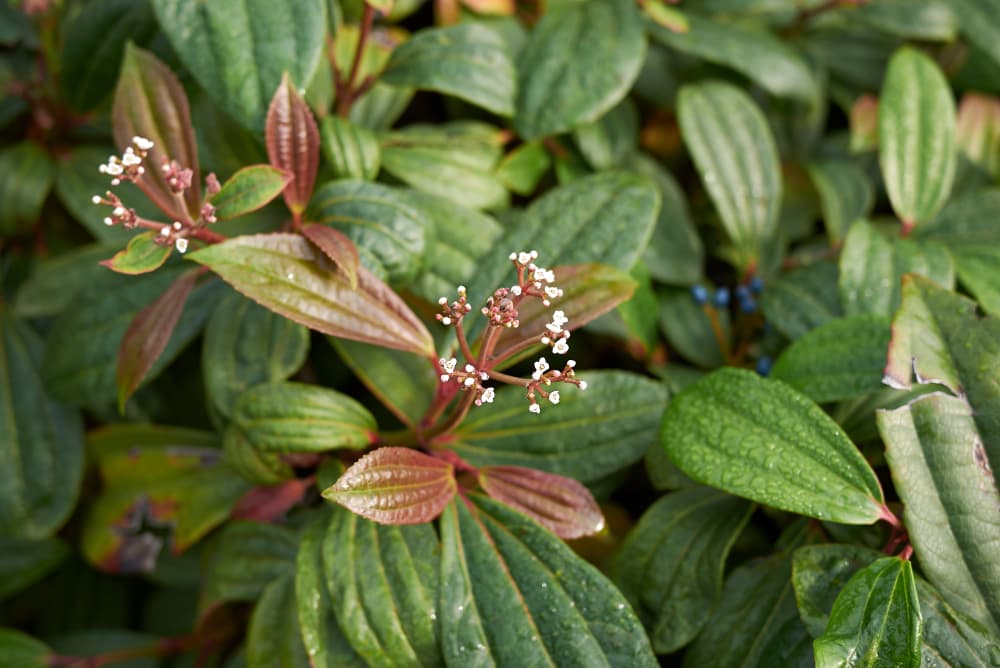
<point x="347" y="95"/>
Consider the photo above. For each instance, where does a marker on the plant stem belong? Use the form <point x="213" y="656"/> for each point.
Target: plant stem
<point x="347" y="95"/>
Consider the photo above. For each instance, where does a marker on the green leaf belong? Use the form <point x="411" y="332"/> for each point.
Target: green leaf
<point x="802" y="299"/>
<point x="977" y="132"/>
<point x="395" y="486"/>
<point x="377" y="218"/>
<point x="293" y="144"/>
<point x="28" y="174"/>
<point x="675" y="253"/>
<point x="284" y="273"/>
<point x="352" y="151"/>
<point x="148" y="335"/>
<point x="588" y="436"/>
<point x="872" y="264"/>
<point x="55" y="282"/>
<point x="688" y="328"/>
<point x="403" y="383"/>
<point x="841" y="359"/>
<point x="41" y="441"/>
<point x="470" y="61"/>
<point x="522" y="169"/>
<point x="561" y="86"/>
<point x="248" y="190"/>
<point x="150" y="102"/>
<point x="92" y="47"/>
<point x="238" y="50"/>
<point x="24" y="562"/>
<point x="324" y="642"/>
<point x="609" y="216"/>
<point x="930" y="21"/>
<point x="967" y="222"/>
<point x="383" y="583"/>
<point x="671" y="564"/>
<point x="950" y="637"/>
<point x="378" y="108"/>
<point x="762" y="440"/>
<point x="733" y="148"/>
<point x="916" y="127"/>
<point x="454" y="160"/>
<point x="20" y="650"/>
<point x="976" y="270"/>
<point x="608" y="141"/>
<point x="514" y="594"/>
<point x="943" y="476"/>
<point x="144" y="452"/>
<point x="338" y="247"/>
<point x="296" y="417"/>
<point x="752" y="619"/>
<point x="875" y="620"/>
<point x="244" y="560"/>
<point x="755" y="53"/>
<point x="980" y="24"/>
<point x="845" y="194"/>
<point x="246" y="345"/>
<point x="273" y="637"/>
<point x="142" y="255"/>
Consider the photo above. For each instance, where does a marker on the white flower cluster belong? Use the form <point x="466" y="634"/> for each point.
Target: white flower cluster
<point x="469" y="378"/>
<point x="128" y="167"/>
<point x="556" y="336"/>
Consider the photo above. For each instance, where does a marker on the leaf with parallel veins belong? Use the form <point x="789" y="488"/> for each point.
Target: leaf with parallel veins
<point x="292" y="140"/>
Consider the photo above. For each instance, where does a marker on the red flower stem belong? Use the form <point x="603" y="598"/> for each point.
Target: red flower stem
<point x="890" y="517"/>
<point x="506" y="378"/>
<point x="463" y="342"/>
<point x="347" y="96"/>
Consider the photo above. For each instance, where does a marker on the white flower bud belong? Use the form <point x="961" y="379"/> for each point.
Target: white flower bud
<point x="181" y="244"/>
<point x="554" y="396"/>
<point x="535" y="408"/>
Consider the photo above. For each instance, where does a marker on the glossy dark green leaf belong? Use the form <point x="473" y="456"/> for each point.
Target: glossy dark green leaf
<point x="470" y="61"/>
<point x="576" y="86"/>
<point x="977" y="271"/>
<point x="689" y="329"/>
<point x="802" y="299"/>
<point x="248" y="190"/>
<point x="757" y="607"/>
<point x="675" y="253"/>
<point x="142" y="255"/>
<point x="324" y="642"/>
<point x="284" y="273"/>
<point x="845" y="193"/>
<point x="838" y="360"/>
<point x="22" y="651"/>
<point x="92" y="47"/>
<point x="273" y="637"/>
<point x="239" y="50"/>
<point x="872" y="264"/>
<point x="379" y="219"/>
<point x="949" y="637"/>
<point x="245" y="559"/>
<point x="608" y="141"/>
<point x="916" y="127"/>
<point x="246" y="345"/>
<point x="56" y="281"/>
<point x="522" y="169"/>
<point x="755" y="53"/>
<point x="931" y="21"/>
<point x="588" y="436"/>
<point x="455" y="160"/>
<point x="966" y="222"/>
<point x="732" y="146"/>
<point x="979" y="22"/>
<point x="819" y="573"/>
<point x="671" y="563"/>
<point x="151" y="103"/>
<point x="606" y="217"/>
<point x="24" y="562"/>
<point x="514" y="594"/>
<point x="784" y="452"/>
<point x="875" y="620"/>
<point x="28" y="174"/>
<point x="41" y="441"/>
<point x="351" y="151"/>
<point x="383" y="583"/>
<point x="943" y="476"/>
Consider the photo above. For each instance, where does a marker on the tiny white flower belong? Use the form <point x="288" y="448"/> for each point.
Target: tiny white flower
<point x="182" y="245"/>
<point x="446" y="321"/>
<point x="541" y="366"/>
<point x="515" y="290"/>
<point x="554" y="396"/>
<point x="535" y="408"/>
<point x="443" y="301"/>
<point x="561" y="347"/>
<point x="533" y="254"/>
<point x="118" y="211"/>
<point x="469" y="368"/>
<point x="559" y="317"/>
<point x="554" y="327"/>
<point x="130" y="158"/>
<point x="142" y="143"/>
<point x="546" y="340"/>
<point x="469" y="382"/>
<point x="552" y="292"/>
<point x="571" y="363"/>
<point x="449" y="365"/>
<point x="165" y="231"/>
<point x="96" y="199"/>
<point x="109" y="222"/>
<point x="523" y="258"/>
<point x="488" y="395"/>
<point x="445" y="377"/>
<point x="512" y="256"/>
<point x="583" y="385"/>
<point x="177" y="225"/>
<point x="460" y="290"/>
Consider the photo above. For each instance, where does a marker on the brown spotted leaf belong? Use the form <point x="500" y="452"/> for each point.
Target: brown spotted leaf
<point x="395" y="486"/>
<point x="561" y="504"/>
<point x="293" y="143"/>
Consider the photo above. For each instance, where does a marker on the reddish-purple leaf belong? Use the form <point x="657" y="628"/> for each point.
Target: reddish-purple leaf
<point x="560" y="504"/>
<point x="248" y="190"/>
<point x="149" y="334"/>
<point x="395" y="486"/>
<point x="338" y="247"/>
<point x="150" y="102"/>
<point x="589" y="291"/>
<point x="287" y="274"/>
<point x="293" y="143"/>
<point x="140" y="256"/>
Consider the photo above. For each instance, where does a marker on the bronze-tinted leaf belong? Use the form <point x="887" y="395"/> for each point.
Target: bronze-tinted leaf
<point x="286" y="274"/>
<point x="558" y="503"/>
<point x="293" y="143"/>
<point x="395" y="486"/>
<point x="150" y="102"/>
<point x="337" y="246"/>
<point x="149" y="334"/>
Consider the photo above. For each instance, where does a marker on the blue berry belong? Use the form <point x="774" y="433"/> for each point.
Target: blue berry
<point x="748" y="304"/>
<point x="742" y="292"/>
<point x="764" y="365"/>
<point x="722" y="297"/>
<point x="699" y="294"/>
<point x="757" y="285"/>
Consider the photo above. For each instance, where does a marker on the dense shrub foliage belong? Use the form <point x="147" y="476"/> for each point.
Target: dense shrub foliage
<point x="499" y="332"/>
